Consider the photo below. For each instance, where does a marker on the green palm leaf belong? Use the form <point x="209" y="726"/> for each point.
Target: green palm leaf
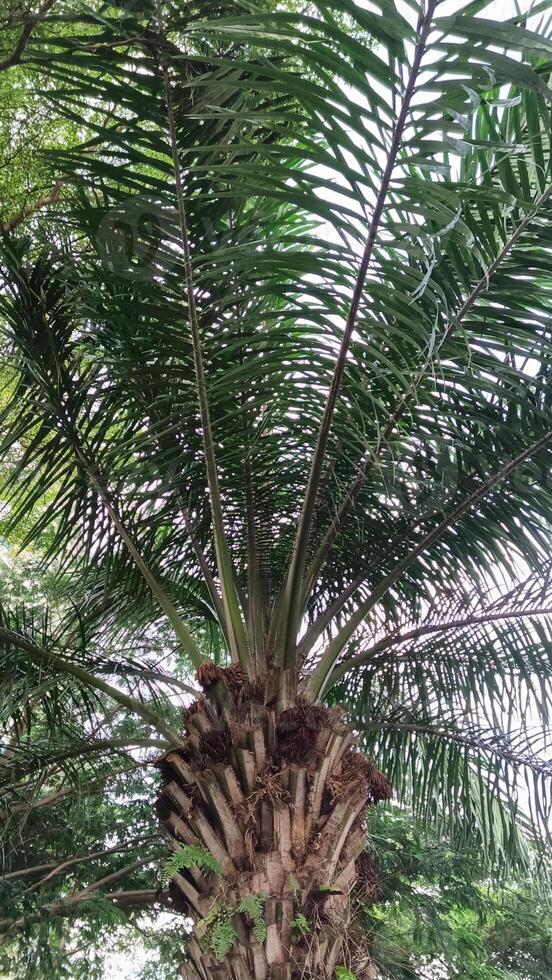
<point x="277" y="381"/>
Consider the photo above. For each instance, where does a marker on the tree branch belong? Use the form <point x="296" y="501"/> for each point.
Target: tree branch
<point x="53" y="870"/>
<point x="60" y="794"/>
<point x="117" y="745"/>
<point x="541" y="766"/>
<point x="180" y="627"/>
<point x="138" y="898"/>
<point x="42" y="202"/>
<point x="324" y="619"/>
<point x="49" y="800"/>
<point x="29" y="23"/>
<point x="114" y="876"/>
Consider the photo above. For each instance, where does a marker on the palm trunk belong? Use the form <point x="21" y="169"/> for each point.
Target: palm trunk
<point x="277" y="797"/>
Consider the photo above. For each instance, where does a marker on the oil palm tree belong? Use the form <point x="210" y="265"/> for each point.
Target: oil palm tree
<point x="277" y="391"/>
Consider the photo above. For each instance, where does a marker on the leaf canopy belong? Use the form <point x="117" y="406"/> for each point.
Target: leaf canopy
<point x="276" y="379"/>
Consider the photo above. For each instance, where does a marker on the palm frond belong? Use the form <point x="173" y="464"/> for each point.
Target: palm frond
<point x="344" y="423"/>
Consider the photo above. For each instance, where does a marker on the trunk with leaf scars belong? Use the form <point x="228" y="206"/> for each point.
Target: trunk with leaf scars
<point x="276" y="796"/>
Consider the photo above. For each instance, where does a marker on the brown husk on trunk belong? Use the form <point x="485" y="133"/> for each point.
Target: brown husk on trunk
<point x="278" y="798"/>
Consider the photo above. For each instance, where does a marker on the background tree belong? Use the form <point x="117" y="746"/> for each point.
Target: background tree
<point x="437" y="914"/>
<point x="276" y="410"/>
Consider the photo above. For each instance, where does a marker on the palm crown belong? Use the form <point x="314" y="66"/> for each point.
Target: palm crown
<point x="279" y="377"/>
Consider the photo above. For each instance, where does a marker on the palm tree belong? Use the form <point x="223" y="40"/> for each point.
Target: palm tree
<point x="277" y="406"/>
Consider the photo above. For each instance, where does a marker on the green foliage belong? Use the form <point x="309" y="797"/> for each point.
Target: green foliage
<point x="218" y="929"/>
<point x="188" y="855"/>
<point x="222" y="937"/>
<point x="275" y="260"/>
<point x="441" y="912"/>
<point x="253" y="906"/>
<point x="420" y="574"/>
<point x="29" y="130"/>
<point x="342" y="973"/>
<point x="300" y="925"/>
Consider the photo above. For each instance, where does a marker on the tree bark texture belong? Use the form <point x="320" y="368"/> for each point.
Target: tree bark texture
<point x="278" y="798"/>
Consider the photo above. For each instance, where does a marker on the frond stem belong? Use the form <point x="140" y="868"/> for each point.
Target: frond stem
<point x="238" y="640"/>
<point x="396" y="638"/>
<point x="293" y="587"/>
<point x="373" y="453"/>
<point x="318" y="681"/>
<point x="47" y="659"/>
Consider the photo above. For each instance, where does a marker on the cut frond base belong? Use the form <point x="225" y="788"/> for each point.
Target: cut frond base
<point x="275" y="801"/>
